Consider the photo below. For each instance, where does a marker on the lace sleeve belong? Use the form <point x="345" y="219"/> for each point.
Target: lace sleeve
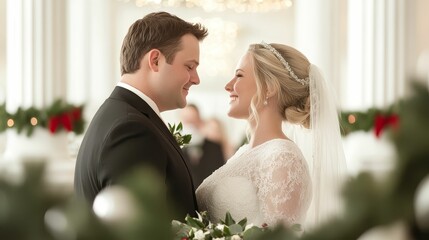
<point x="284" y="188"/>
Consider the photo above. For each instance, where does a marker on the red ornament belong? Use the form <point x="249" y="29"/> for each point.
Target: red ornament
<point x="381" y="122"/>
<point x="64" y="120"/>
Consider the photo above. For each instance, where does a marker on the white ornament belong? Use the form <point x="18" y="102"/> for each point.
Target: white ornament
<point x="235" y="237"/>
<point x="422" y="204"/>
<point x="115" y="205"/>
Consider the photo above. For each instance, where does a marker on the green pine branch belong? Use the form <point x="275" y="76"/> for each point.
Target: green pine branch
<point x="22" y="117"/>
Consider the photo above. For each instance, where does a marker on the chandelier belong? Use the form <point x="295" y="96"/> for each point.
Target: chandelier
<point x="219" y="5"/>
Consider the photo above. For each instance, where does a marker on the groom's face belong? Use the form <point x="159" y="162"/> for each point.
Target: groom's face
<point x="241" y="88"/>
<point x="176" y="78"/>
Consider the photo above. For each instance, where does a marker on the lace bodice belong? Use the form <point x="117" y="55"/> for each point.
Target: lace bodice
<point x="269" y="183"/>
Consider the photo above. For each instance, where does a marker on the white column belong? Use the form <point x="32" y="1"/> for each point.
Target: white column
<point x="320" y="35"/>
<point x="102" y="62"/>
<point x="35" y="52"/>
<point x="91" y="49"/>
<point x="78" y="48"/>
<point x="376" y="53"/>
<point x="2" y="51"/>
<point x="14" y="56"/>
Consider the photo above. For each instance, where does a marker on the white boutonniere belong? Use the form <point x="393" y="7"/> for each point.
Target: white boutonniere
<point x="176" y="131"/>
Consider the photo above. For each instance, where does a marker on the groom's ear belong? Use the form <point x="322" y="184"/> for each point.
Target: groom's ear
<point x="154" y="56"/>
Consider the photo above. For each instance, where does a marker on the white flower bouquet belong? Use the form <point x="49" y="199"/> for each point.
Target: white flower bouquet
<point x="202" y="229"/>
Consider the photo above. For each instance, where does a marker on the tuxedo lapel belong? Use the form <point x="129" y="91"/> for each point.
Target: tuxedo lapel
<point x="164" y="130"/>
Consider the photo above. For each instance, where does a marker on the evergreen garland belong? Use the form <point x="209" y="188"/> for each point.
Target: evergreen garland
<point x="373" y="119"/>
<point x="59" y="115"/>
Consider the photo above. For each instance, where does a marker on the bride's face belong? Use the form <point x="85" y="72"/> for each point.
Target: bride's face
<point x="241" y="88"/>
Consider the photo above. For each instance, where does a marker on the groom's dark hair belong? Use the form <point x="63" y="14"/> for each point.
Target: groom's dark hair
<point x="158" y="30"/>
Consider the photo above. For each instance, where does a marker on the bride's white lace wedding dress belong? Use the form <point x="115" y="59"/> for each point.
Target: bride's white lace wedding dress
<point x="269" y="183"/>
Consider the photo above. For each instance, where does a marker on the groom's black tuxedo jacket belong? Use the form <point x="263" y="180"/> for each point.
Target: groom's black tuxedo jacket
<point x="126" y="133"/>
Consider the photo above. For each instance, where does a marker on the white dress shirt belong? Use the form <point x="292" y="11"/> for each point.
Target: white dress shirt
<point x="143" y="96"/>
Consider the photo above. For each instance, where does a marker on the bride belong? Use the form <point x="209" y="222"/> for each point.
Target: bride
<point x="269" y="180"/>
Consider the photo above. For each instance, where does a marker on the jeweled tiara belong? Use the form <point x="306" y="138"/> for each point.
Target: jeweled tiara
<point x="303" y="81"/>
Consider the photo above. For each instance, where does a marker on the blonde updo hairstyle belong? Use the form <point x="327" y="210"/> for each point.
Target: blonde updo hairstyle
<point x="293" y="97"/>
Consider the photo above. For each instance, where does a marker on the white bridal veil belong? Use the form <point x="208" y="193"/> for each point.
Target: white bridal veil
<point x="322" y="147"/>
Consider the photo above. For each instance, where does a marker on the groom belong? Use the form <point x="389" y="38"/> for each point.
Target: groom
<point x="159" y="57"/>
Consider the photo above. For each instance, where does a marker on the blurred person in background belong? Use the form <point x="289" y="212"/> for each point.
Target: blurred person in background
<point x="203" y="154"/>
<point x="214" y="130"/>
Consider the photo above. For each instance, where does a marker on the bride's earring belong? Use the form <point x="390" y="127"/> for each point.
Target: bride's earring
<point x="266" y="101"/>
